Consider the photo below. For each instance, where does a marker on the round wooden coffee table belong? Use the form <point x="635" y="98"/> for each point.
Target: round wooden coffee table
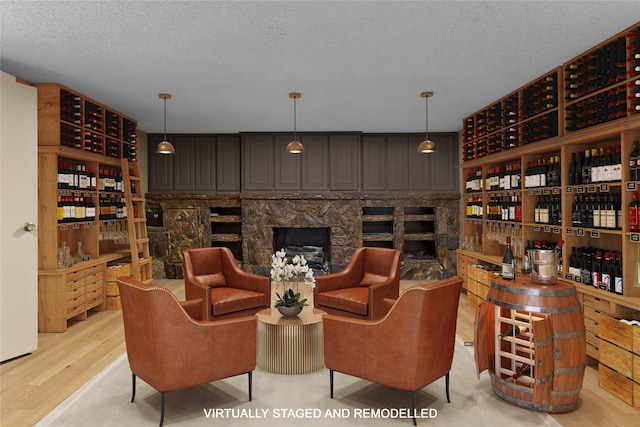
<point x="290" y="345"/>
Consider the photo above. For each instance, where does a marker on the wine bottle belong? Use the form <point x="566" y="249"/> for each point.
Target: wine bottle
<point x="633" y="162"/>
<point x="525" y="369"/>
<point x="596" y="270"/>
<point x="586" y="167"/>
<point x="634" y="225"/>
<point x="508" y="262"/>
<point x="572" y="169"/>
<point x="617" y="273"/>
<point x="512" y="331"/>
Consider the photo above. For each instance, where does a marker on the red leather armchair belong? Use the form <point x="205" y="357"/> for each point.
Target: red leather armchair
<point x="409" y="348"/>
<point x="170" y="350"/>
<point x="359" y="290"/>
<point x="213" y="275"/>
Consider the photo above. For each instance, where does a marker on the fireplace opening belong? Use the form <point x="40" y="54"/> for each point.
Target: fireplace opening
<point x="311" y="242"/>
<point x="419" y="249"/>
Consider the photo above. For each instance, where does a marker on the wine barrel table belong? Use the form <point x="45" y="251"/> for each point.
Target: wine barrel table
<point x="532" y="340"/>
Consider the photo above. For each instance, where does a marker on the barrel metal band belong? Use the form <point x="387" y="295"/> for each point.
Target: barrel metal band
<point x="534" y="291"/>
<point x="543" y="343"/>
<point x="569" y="335"/>
<point x="569" y="370"/>
<point x="533" y="309"/>
<point x="535" y="406"/>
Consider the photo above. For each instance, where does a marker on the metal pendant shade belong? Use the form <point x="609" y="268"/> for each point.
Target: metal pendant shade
<point x="295" y="146"/>
<point x="165" y="147"/>
<point x="427" y="146"/>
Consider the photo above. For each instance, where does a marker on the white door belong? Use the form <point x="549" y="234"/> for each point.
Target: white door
<point x="18" y="205"/>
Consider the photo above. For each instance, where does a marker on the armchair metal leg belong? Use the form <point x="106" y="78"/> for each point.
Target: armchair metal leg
<point x="331" y="382"/>
<point x="133" y="385"/>
<point x="413" y="406"/>
<point x="161" y="408"/>
<point x="446" y="381"/>
<point x="250" y="382"/>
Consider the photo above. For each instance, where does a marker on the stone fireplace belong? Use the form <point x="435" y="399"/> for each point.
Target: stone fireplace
<point x="425" y="226"/>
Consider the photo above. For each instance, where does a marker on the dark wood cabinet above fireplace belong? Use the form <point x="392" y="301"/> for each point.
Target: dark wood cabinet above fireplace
<point x="332" y="161"/>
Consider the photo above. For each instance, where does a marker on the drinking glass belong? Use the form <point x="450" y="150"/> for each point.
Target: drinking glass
<point x="526" y="264"/>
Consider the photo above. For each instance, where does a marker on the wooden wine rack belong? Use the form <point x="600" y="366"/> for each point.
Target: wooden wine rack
<point x="76" y="130"/>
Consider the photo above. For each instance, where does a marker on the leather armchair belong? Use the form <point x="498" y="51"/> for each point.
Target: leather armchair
<point x="213" y="275"/>
<point x="170" y="350"/>
<point x="409" y="348"/>
<point x="359" y="290"/>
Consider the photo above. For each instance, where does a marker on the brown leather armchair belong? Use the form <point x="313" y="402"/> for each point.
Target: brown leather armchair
<point x="213" y="275"/>
<point x="170" y="350"/>
<point x="409" y="348"/>
<point x="359" y="290"/>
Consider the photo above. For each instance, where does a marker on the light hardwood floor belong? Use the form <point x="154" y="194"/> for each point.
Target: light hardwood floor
<point x="34" y="385"/>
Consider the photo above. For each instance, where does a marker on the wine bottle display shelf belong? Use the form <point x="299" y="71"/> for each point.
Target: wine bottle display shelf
<point x="83" y="124"/>
<point x="599" y="86"/>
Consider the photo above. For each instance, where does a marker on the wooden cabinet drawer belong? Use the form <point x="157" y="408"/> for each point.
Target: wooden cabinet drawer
<point x="592" y="338"/>
<point x="94" y="270"/>
<point x="591" y="324"/>
<point x="94" y="278"/>
<point x="78" y="281"/>
<point x="94" y="298"/>
<point x="90" y="287"/>
<point x="75" y="305"/>
<point x="73" y="289"/>
<point x="592" y="350"/>
<point x="598" y="303"/>
<point x="75" y="275"/>
<point x="593" y="313"/>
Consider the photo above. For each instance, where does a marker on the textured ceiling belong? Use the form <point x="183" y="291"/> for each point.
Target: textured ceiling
<point x="359" y="65"/>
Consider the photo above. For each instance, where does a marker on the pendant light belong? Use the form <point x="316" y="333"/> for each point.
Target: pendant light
<point x="165" y="147"/>
<point x="295" y="146"/>
<point x="427" y="146"/>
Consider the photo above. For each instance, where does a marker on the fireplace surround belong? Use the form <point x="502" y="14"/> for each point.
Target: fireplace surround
<point x="425" y="226"/>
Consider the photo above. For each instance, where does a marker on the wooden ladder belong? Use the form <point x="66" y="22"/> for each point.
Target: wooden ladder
<point x="141" y="262"/>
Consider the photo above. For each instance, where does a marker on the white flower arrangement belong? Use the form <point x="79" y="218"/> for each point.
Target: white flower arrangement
<point x="290" y="274"/>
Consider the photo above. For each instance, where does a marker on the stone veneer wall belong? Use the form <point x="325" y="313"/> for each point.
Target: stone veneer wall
<point x="187" y="224"/>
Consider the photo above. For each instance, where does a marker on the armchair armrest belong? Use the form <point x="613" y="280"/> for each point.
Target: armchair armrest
<point x="347" y="278"/>
<point x="194" y="290"/>
<point x="388" y="289"/>
<point x="194" y="308"/>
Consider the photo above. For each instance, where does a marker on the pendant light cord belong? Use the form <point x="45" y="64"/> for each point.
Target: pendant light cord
<point x="426" y="119"/>
<point x="294" y="119"/>
<point x="165" y="119"/>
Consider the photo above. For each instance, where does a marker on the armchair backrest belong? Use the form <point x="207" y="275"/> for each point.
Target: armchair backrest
<point x="379" y="265"/>
<point x="212" y="266"/>
<point x="418" y="334"/>
<point x="203" y="261"/>
<point x="153" y="326"/>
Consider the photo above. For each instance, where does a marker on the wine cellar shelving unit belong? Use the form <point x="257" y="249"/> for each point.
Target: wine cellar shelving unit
<point x="589" y="104"/>
<point x="85" y="204"/>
